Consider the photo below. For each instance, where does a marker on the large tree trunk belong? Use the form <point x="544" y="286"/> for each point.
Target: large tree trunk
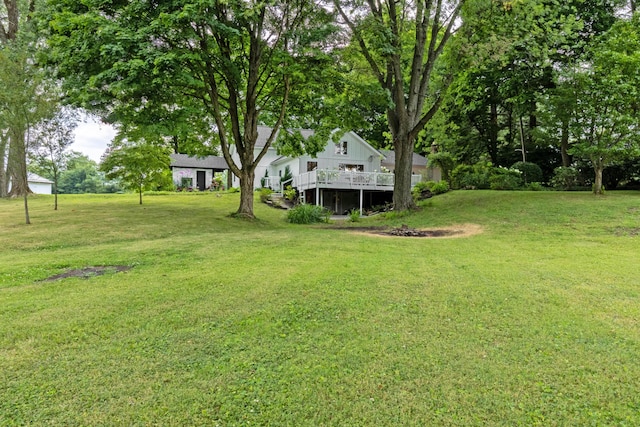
<point x="17" y="166"/>
<point x="246" y="194"/>
<point x="4" y="181"/>
<point x="402" y="197"/>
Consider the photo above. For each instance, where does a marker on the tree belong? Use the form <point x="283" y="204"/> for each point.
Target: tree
<point x="137" y="165"/>
<point x="241" y="60"/>
<point x="15" y="17"/>
<point x="606" y="127"/>
<point x="81" y="175"/>
<point x="53" y="136"/>
<point x="402" y="43"/>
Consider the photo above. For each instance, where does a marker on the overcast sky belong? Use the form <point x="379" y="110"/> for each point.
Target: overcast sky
<point x="92" y="138"/>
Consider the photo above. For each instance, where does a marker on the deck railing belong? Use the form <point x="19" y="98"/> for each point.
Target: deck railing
<point x="327" y="178"/>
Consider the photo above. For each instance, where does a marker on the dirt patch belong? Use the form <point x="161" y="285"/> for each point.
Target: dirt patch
<point x="88" y="272"/>
<point x="462" y="230"/>
<point x="627" y="231"/>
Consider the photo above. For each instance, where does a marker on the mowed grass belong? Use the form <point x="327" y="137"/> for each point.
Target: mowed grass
<point x="535" y="321"/>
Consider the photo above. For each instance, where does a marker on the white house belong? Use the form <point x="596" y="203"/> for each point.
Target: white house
<point x="347" y="174"/>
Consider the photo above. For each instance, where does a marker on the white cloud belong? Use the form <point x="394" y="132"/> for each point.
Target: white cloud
<point x="92" y="138"/>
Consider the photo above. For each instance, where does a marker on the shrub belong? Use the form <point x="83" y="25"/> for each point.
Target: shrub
<point x="531" y="172"/>
<point x="290" y="193"/>
<point x="444" y="161"/>
<point x="234" y="190"/>
<point x="265" y="193"/>
<point x="535" y="186"/>
<point x="429" y="187"/>
<point x="440" y="187"/>
<point x="564" y="178"/>
<point x="471" y="177"/>
<point x="354" y="215"/>
<point x="308" y="214"/>
<point x="505" y="179"/>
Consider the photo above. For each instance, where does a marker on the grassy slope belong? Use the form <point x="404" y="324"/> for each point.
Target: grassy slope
<point x="225" y="321"/>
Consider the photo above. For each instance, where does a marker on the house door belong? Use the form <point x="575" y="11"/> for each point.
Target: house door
<point x="201" y="176"/>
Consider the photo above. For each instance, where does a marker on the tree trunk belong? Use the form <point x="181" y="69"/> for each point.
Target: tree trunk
<point x="246" y="194"/>
<point x="493" y="133"/>
<point x="4" y="182"/>
<point x="598" y="166"/>
<point x="26" y="209"/>
<point x="140" y="193"/>
<point x="17" y="166"/>
<point x="564" y="143"/>
<point x="402" y="197"/>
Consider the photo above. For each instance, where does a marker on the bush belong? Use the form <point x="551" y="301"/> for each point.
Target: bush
<point x="505" y="179"/>
<point x="308" y="214"/>
<point x="432" y="187"/>
<point x="535" y="186"/>
<point x="531" y="172"/>
<point x="265" y="193"/>
<point x="354" y="215"/>
<point x="290" y="193"/>
<point x="440" y="187"/>
<point x="471" y="177"/>
<point x="233" y="190"/>
<point x="564" y="178"/>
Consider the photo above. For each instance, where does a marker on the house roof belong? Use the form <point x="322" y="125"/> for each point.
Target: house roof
<point x="32" y="177"/>
<point x="390" y="158"/>
<point x="208" y="162"/>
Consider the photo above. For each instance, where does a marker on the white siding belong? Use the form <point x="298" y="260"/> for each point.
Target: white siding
<point x="40" y="187"/>
<point x="179" y="173"/>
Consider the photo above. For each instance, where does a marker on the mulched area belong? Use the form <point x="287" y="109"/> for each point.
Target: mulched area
<point x="88" y="272"/>
<point x="404" y="231"/>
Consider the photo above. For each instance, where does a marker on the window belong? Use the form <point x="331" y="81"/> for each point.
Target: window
<point x="311" y="166"/>
<point x="350" y="168"/>
<point x="341" y="148"/>
<point x="186" y="182"/>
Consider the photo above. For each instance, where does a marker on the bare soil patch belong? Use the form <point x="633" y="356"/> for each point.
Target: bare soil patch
<point x="88" y="272"/>
<point x="462" y="230"/>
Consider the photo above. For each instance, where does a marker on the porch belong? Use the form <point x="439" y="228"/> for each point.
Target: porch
<point x="326" y="187"/>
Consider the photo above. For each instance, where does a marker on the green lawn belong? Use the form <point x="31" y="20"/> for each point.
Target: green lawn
<point x="535" y="321"/>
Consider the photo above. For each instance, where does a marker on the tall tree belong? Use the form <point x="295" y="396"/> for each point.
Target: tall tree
<point x="606" y="127"/>
<point x="402" y="43"/>
<point x="239" y="59"/>
<point x="15" y="17"/>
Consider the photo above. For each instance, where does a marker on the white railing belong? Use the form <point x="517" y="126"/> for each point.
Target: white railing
<point x="326" y="178"/>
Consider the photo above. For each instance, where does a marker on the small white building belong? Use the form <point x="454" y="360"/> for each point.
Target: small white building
<point x="38" y="184"/>
<point x="192" y="173"/>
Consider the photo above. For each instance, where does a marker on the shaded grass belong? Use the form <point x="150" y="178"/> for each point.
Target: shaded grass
<point x="232" y="322"/>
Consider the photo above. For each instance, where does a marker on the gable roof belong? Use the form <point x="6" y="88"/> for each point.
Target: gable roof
<point x="390" y="158"/>
<point x="32" y="177"/>
<point x="208" y="162"/>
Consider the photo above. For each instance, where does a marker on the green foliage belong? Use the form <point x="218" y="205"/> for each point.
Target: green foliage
<point x="265" y="194"/>
<point x="439" y="187"/>
<point x="233" y="190"/>
<point x="138" y="166"/>
<point x="535" y="186"/>
<point x="471" y="177"/>
<point x="531" y="172"/>
<point x="354" y="215"/>
<point x="444" y="160"/>
<point x="290" y="193"/>
<point x="564" y="178"/>
<point x="308" y="214"/>
<point x="505" y="179"/>
<point x="287" y="175"/>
